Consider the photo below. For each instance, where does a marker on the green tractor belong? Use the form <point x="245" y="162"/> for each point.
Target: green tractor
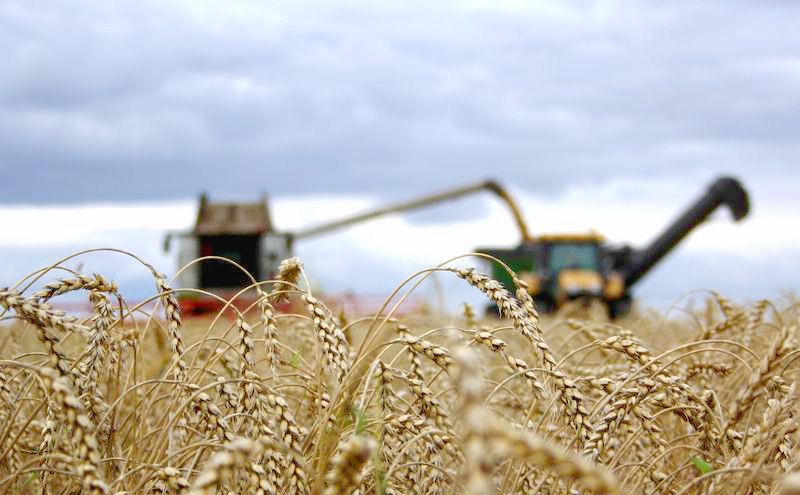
<point x="565" y="267"/>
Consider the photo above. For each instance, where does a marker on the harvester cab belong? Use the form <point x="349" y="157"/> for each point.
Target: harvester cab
<point x="225" y="232"/>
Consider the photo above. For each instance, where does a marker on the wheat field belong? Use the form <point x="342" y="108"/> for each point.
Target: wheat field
<point x="316" y="401"/>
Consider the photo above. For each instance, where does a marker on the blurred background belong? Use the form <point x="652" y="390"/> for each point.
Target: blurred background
<point x="604" y="115"/>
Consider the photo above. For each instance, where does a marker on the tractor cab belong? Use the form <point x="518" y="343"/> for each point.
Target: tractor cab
<point x="571" y="267"/>
<point x="558" y="268"/>
<point x="568" y="255"/>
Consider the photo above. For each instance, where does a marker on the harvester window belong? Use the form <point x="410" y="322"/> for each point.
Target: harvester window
<point x="575" y="256"/>
<point x="243" y="249"/>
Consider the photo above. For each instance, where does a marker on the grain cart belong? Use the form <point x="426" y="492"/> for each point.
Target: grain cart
<point x="563" y="267"/>
<point x="244" y="233"/>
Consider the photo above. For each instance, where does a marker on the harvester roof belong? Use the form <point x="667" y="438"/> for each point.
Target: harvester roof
<point x="232" y="218"/>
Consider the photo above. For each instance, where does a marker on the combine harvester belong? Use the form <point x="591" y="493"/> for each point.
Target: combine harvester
<point x="244" y="233"/>
<point x="557" y="267"/>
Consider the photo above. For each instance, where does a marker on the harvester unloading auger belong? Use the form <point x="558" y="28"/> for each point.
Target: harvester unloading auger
<point x="427" y="200"/>
<point x="557" y="268"/>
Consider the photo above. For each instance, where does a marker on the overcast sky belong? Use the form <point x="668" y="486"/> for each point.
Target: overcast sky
<point x="343" y="105"/>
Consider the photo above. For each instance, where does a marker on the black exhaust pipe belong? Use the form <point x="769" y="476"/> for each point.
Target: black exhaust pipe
<point x="725" y="190"/>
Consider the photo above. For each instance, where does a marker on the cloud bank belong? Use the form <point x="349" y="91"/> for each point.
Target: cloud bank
<point x="159" y="100"/>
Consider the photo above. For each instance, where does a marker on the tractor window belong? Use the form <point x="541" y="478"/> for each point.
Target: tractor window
<point x="577" y="256"/>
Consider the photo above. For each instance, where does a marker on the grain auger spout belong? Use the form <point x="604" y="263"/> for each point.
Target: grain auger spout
<point x="428" y="200"/>
<point x="724" y="191"/>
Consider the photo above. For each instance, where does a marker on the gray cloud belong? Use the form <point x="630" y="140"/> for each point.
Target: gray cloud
<point x="145" y="100"/>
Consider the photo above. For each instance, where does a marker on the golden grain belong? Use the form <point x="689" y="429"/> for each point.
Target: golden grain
<point x="520" y="404"/>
